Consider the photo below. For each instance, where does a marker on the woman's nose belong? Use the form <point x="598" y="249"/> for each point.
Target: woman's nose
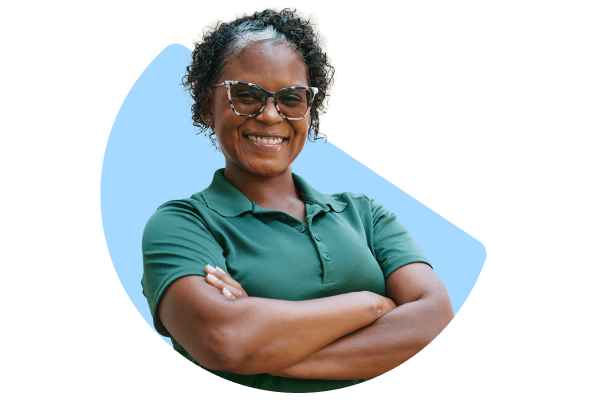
<point x="269" y="115"/>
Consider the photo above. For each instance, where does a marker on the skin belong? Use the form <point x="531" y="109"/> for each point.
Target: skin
<point x="263" y="175"/>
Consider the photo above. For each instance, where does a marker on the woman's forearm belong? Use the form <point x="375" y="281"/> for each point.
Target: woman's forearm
<point x="379" y="347"/>
<point x="276" y="333"/>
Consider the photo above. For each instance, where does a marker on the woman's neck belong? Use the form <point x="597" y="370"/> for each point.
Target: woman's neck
<point x="271" y="192"/>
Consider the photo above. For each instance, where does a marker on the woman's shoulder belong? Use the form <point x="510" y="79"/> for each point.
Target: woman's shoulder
<point x="192" y="204"/>
<point x="350" y="196"/>
<point x="364" y="205"/>
<point x="175" y="212"/>
<point x="194" y="201"/>
<point x="358" y="200"/>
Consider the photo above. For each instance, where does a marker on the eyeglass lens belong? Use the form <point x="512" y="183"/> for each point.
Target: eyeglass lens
<point x="248" y="100"/>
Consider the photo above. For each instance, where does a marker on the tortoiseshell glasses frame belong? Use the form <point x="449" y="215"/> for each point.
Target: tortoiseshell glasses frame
<point x="312" y="90"/>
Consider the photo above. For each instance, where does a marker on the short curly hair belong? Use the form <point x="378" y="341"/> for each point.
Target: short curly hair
<point x="225" y="41"/>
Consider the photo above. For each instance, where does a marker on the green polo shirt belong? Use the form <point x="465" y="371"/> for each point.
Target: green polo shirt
<point x="349" y="243"/>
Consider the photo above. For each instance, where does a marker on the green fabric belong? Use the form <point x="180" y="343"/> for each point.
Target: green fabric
<point x="350" y="244"/>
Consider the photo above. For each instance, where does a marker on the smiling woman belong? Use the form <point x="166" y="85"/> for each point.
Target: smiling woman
<point x="249" y="143"/>
<point x="260" y="278"/>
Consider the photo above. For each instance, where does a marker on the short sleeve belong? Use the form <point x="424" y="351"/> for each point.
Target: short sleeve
<point x="176" y="243"/>
<point x="393" y="245"/>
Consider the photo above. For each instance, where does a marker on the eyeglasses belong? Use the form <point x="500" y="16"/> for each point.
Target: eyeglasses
<point x="249" y="100"/>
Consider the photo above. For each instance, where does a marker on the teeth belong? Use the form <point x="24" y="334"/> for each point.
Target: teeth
<point x="265" y="140"/>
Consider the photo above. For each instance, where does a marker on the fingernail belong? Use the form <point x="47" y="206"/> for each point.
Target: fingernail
<point x="211" y="268"/>
<point x="212" y="278"/>
<point x="227" y="292"/>
<point x="221" y="271"/>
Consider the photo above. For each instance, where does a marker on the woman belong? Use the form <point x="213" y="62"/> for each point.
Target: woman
<point x="260" y="278"/>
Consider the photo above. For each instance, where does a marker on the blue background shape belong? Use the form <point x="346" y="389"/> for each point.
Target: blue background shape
<point x="153" y="155"/>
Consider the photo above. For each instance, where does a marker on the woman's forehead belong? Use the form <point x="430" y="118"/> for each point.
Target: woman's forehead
<point x="267" y="60"/>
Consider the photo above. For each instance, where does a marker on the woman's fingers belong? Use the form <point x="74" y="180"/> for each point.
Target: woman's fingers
<point x="225" y="277"/>
<point x="228" y="294"/>
<point x="225" y="283"/>
<point x="227" y="290"/>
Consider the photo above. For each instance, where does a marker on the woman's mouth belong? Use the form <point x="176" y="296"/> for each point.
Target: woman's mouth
<point x="267" y="143"/>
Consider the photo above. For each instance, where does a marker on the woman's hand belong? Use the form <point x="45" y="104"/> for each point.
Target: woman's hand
<point x="226" y="284"/>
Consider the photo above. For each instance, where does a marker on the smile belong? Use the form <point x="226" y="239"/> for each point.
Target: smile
<point x="267" y="144"/>
<point x="264" y="140"/>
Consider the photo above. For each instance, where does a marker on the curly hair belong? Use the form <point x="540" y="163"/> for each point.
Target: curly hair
<point x="225" y="41"/>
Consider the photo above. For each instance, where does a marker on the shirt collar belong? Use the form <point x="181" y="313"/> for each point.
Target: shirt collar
<point x="222" y="197"/>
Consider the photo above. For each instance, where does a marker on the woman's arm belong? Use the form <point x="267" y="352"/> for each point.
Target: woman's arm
<point x="290" y="331"/>
<point x="374" y="350"/>
<point x="254" y="335"/>
<point x="424" y="311"/>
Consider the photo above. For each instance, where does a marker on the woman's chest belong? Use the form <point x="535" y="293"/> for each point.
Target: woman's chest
<point x="281" y="258"/>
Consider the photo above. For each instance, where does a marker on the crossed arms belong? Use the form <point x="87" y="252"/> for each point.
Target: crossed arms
<point x="350" y="336"/>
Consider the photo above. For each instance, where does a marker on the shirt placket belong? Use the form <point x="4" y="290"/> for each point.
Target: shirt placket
<point x="320" y="244"/>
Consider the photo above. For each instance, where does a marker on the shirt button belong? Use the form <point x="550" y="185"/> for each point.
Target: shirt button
<point x="326" y="257"/>
<point x="317" y="239"/>
<point x="281" y="218"/>
<point x="301" y="229"/>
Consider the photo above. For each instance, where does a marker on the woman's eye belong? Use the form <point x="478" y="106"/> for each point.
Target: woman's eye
<point x="292" y="98"/>
<point x="245" y="96"/>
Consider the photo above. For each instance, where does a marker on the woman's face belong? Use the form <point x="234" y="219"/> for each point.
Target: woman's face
<point x="273" y="67"/>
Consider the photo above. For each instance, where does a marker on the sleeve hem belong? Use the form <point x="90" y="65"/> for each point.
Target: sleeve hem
<point x="389" y="271"/>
